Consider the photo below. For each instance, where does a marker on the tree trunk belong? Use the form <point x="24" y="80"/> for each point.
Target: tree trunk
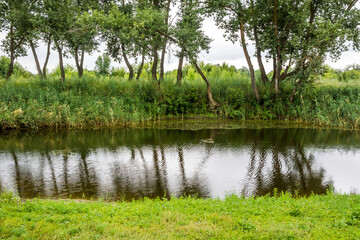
<point x="298" y="84"/>
<point x="163" y="52"/>
<point x="140" y="67"/>
<point x="278" y="71"/>
<point x="278" y="64"/>
<point x="82" y="62"/>
<point x="47" y="58"/>
<point x="264" y="77"/>
<point x="180" y="68"/>
<point x="155" y="64"/>
<point x="248" y="59"/>
<point x="131" y="69"/>
<point x="213" y="104"/>
<point x="11" y="66"/>
<point x="162" y="62"/>
<point x="274" y="68"/>
<point x="38" y="68"/>
<point x="61" y="62"/>
<point x="78" y="62"/>
<point x="12" y="54"/>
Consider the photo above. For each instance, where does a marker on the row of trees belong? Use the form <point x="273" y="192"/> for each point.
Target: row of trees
<point x="296" y="35"/>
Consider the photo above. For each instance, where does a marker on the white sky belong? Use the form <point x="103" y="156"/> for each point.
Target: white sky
<point x="221" y="51"/>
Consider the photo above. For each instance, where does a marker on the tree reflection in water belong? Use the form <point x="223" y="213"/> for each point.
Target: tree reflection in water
<point x="291" y="170"/>
<point x="148" y="168"/>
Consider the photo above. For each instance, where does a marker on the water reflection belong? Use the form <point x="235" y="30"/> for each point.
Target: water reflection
<point x="292" y="170"/>
<point x="132" y="164"/>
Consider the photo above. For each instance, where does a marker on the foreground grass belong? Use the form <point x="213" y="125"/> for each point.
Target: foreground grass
<point x="316" y="217"/>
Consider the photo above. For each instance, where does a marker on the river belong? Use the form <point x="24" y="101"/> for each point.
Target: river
<point x="126" y="164"/>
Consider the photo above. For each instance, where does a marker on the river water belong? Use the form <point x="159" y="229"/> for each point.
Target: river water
<point x="126" y="164"/>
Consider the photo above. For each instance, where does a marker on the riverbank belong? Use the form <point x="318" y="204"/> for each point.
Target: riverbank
<point x="110" y="102"/>
<point x="284" y="217"/>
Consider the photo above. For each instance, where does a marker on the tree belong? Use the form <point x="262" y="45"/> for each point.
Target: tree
<point x="297" y="35"/>
<point x="157" y="13"/>
<point x="58" y="15"/>
<point x="233" y="17"/>
<point x="17" y="69"/>
<point x="163" y="51"/>
<point x="14" y="21"/>
<point x="191" y="39"/>
<point x="80" y="38"/>
<point x="102" y="65"/>
<point x="115" y="23"/>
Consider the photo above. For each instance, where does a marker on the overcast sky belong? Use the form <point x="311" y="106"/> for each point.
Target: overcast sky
<point x="221" y="51"/>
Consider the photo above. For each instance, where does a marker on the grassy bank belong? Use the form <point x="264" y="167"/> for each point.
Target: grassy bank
<point x="316" y="217"/>
<point x="110" y="101"/>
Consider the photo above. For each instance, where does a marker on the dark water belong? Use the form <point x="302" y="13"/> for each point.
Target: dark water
<point x="127" y="164"/>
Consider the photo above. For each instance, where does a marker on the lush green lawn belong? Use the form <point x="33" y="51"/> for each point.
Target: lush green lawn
<point x="316" y="217"/>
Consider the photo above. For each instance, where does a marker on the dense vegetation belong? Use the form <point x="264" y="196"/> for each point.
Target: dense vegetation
<point x="113" y="101"/>
<point x="284" y="217"/>
<point x="296" y="35"/>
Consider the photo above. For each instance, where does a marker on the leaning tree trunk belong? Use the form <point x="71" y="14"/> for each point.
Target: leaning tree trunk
<point x="141" y="67"/>
<point x="47" y="58"/>
<point x="38" y="68"/>
<point x="131" y="69"/>
<point x="248" y="59"/>
<point x="180" y="68"/>
<point x="213" y="104"/>
<point x="155" y="64"/>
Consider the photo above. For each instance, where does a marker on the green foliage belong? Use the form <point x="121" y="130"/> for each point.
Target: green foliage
<point x="322" y="217"/>
<point x="113" y="101"/>
<point x="102" y="65"/>
<point x="19" y="71"/>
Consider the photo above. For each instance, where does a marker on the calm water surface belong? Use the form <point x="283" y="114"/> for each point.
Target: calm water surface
<point x="136" y="163"/>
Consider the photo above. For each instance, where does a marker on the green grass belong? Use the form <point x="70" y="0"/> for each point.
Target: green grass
<point x="112" y="101"/>
<point x="284" y="217"/>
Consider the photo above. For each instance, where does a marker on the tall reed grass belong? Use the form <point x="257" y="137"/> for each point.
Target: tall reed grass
<point x="95" y="101"/>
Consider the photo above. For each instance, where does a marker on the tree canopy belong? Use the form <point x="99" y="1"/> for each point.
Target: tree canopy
<point x="297" y="36"/>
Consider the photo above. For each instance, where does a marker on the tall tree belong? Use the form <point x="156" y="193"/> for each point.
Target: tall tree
<point x="163" y="51"/>
<point x="58" y="15"/>
<point x="297" y="35"/>
<point x="116" y="26"/>
<point x="38" y="31"/>
<point x="80" y="38"/>
<point x="233" y="16"/>
<point x="191" y="39"/>
<point x="13" y="20"/>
